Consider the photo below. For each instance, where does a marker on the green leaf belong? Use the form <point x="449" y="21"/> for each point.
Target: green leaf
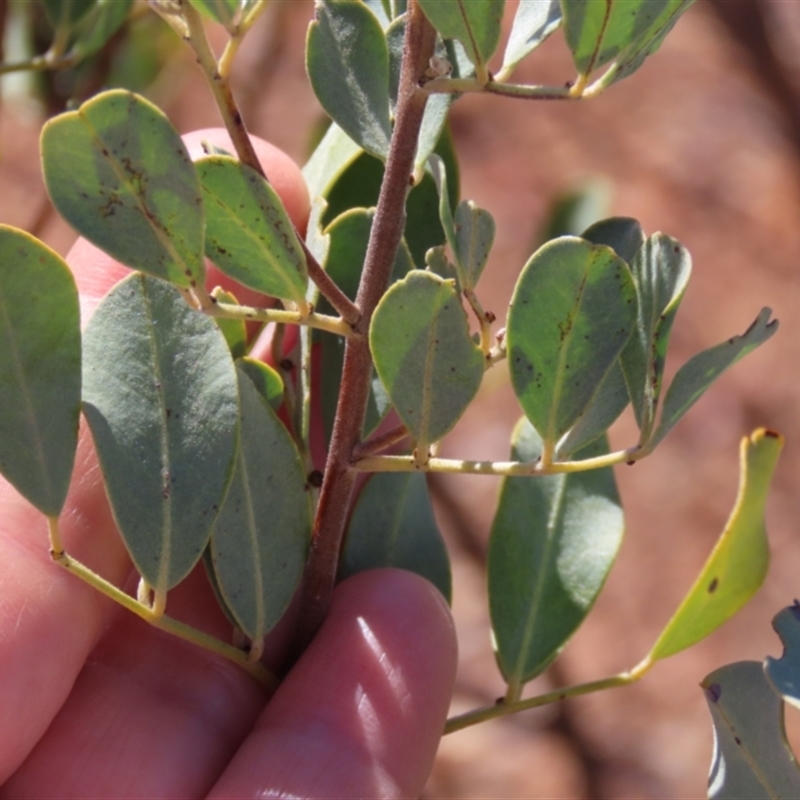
<point x="393" y="526"/>
<point x="95" y="29"/>
<point x="248" y="233"/>
<point x="161" y="398"/>
<point x="738" y="563"/>
<point x="696" y="375"/>
<point x="752" y="757"/>
<point x="119" y="173"/>
<point x="424" y="355"/>
<point x="261" y="536"/>
<point x="572" y="311"/>
<point x="625" y="31"/>
<point x="784" y="673"/>
<point x="534" y="21"/>
<point x="349" y="235"/>
<point x="553" y="541"/>
<point x="382" y="11"/>
<point x="222" y="11"/>
<point x="234" y="330"/>
<point x="474" y="239"/>
<point x="348" y="66"/>
<point x="610" y="400"/>
<point x="469" y="232"/>
<point x="661" y="273"/>
<point x="40" y="370"/>
<point x="474" y="23"/>
<point x="335" y="152"/>
<point x="625" y="237"/>
<point x="622" y="234"/>
<point x="267" y="381"/>
<point x="358" y="185"/>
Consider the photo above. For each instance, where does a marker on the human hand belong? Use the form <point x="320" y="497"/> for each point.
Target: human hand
<point x="96" y="703"/>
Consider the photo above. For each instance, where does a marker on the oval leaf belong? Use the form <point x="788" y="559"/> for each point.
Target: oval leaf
<point x="623" y="30"/>
<point x="349" y="235"/>
<point x="348" y="66"/>
<point x="267" y="381"/>
<point x="553" y="541"/>
<point x="248" y="233"/>
<point x="260" y="538"/>
<point x="738" y="564"/>
<point x="534" y="21"/>
<point x="474" y="229"/>
<point x="40" y="370"/>
<point x="424" y="355"/>
<point x="661" y="272"/>
<point x="119" y="173"/>
<point x="572" y="311"/>
<point x="393" y="526"/>
<point x="752" y="757"/>
<point x="699" y="372"/>
<point x="161" y="398"/>
<point x="474" y="23"/>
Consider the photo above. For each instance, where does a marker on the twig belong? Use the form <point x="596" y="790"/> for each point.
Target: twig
<point x="387" y="231"/>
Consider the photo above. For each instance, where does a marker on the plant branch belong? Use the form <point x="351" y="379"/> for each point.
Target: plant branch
<point x="322" y="322"/>
<point x="519" y="91"/>
<point x="387" y="231"/>
<point x="506" y="468"/>
<point x="161" y="621"/>
<point x="234" y="124"/>
<point x="503" y="708"/>
<point x="380" y="441"/>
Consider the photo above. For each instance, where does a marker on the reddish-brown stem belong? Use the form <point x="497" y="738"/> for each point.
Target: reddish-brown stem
<point x="387" y="231"/>
<point x="380" y="442"/>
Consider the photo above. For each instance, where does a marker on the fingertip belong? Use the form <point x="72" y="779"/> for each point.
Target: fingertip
<point x="362" y="713"/>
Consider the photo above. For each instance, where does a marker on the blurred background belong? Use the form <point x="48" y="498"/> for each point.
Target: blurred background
<point x="702" y="143"/>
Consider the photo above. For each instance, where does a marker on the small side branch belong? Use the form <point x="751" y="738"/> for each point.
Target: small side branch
<point x="504" y="468"/>
<point x="322" y="322"/>
<point x="162" y="621"/>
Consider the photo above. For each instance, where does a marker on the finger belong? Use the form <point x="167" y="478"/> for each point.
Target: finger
<point x="149" y="716"/>
<point x="362" y="713"/>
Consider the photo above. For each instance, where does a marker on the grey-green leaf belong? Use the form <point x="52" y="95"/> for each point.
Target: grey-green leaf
<point x="97" y="27"/>
<point x="267" y="381"/>
<point x="752" y="758"/>
<point x="348" y="65"/>
<point x="349" y="235"/>
<point x="40" y="370"/>
<point x="661" y="273"/>
<point x="600" y="31"/>
<point x="248" y="233"/>
<point x="474" y="23"/>
<point x="534" y="21"/>
<point x="610" y="400"/>
<point x="393" y="526"/>
<point x="553" y="541"/>
<point x="424" y="355"/>
<point x="474" y="228"/>
<point x="784" y="673"/>
<point x="261" y="536"/>
<point x="623" y="235"/>
<point x="572" y="311"/>
<point x="161" y="398"/>
<point x="697" y="374"/>
<point x="118" y="172"/>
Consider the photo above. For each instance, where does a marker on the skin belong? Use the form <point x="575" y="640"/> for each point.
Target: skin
<point x="96" y="703"/>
